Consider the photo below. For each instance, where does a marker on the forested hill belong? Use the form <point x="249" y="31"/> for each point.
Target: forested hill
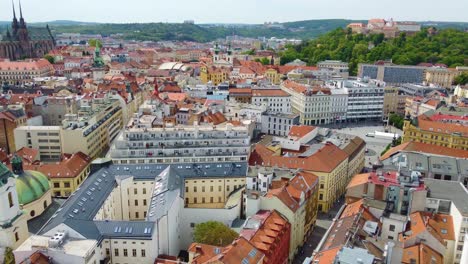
<point x="447" y="46"/>
<point x="207" y="32"/>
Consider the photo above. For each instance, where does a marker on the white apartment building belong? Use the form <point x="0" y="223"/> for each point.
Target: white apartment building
<point x="313" y="104"/>
<point x="278" y="124"/>
<point x="451" y="198"/>
<point x="181" y="144"/>
<point x="276" y="100"/>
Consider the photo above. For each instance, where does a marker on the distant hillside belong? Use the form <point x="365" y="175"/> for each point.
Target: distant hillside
<point x="308" y="29"/>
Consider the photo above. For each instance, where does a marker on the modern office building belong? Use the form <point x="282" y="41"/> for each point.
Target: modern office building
<point x="393" y="74"/>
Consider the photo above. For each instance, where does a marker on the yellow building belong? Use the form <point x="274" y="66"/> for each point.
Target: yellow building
<point x="439" y="129"/>
<point x="273" y="76"/>
<point x="66" y="176"/>
<point x="329" y="163"/>
<point x="210" y="192"/>
<point x="213" y="74"/>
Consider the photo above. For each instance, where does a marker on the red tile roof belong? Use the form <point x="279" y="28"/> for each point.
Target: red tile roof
<point x="325" y="159"/>
<point x="421" y="254"/>
<point x="68" y="168"/>
<point x="425" y="148"/>
<point x="269" y="93"/>
<point x="300" y="130"/>
<point x="240" y="250"/>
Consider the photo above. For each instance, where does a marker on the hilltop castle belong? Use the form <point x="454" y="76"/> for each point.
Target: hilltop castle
<point x="23" y="43"/>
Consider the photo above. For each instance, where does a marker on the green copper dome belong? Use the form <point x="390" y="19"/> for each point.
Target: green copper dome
<point x="31" y="186"/>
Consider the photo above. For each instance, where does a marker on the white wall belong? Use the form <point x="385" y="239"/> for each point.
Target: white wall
<point x="200" y="215"/>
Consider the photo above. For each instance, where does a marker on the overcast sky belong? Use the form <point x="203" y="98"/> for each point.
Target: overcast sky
<point x="235" y="11"/>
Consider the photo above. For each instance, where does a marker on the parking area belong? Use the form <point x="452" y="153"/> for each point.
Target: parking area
<point x="375" y="146"/>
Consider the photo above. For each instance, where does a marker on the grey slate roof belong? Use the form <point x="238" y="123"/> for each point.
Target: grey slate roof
<point x="449" y="190"/>
<point x="81" y="207"/>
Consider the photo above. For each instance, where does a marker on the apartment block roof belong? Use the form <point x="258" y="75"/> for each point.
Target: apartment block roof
<point x="81" y="207"/>
<point x="325" y="159"/>
<point x="425" y="148"/>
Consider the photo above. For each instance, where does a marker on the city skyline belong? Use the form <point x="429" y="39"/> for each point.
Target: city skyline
<point x="234" y="11"/>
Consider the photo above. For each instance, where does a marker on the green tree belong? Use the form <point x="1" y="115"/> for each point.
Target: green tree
<point x="461" y="79"/>
<point x="396" y="120"/>
<point x="49" y="58"/>
<point x="214" y="233"/>
<point x="95" y="43"/>
<point x="9" y="257"/>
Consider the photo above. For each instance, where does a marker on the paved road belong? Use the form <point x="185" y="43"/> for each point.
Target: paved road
<point x="322" y="225"/>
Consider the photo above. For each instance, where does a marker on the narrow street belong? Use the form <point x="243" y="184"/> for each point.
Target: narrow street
<point x="323" y="223"/>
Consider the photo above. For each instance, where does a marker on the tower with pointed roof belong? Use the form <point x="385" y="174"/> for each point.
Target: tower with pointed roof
<point x="23" y="42"/>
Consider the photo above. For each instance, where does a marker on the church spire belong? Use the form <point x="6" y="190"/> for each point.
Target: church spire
<point x="14" y="12"/>
<point x="22" y="24"/>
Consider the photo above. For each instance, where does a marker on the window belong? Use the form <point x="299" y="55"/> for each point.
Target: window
<point x="186" y="189"/>
<point x="195" y="200"/>
<point x="56" y="184"/>
<point x="136" y="202"/>
<point x="143" y="253"/>
<point x="32" y="213"/>
<point x="137" y="215"/>
<point x="67" y="184"/>
<point x="125" y="252"/>
<point x="203" y="199"/>
<point x="194" y="188"/>
<point x="390" y="237"/>
<point x="107" y="252"/>
<point x="392" y="228"/>
<point x="134" y="252"/>
<point x="219" y="188"/>
<point x="228" y="188"/>
<point x="203" y="188"/>
<point x="211" y="199"/>
<point x="144" y="190"/>
<point x="116" y="252"/>
<point x="211" y="188"/>
<point x="144" y="202"/>
<point x="16" y="236"/>
<point x="443" y="231"/>
<point x="187" y="200"/>
<point x="135" y="191"/>
<point x="320" y="196"/>
<point x="10" y="199"/>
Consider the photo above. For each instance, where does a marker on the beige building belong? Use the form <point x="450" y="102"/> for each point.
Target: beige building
<point x="21" y="72"/>
<point x="444" y="77"/>
<point x="211" y="193"/>
<point x="394" y="103"/>
<point x="90" y="131"/>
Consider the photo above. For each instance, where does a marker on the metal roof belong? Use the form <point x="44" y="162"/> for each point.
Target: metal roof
<point x="81" y="207"/>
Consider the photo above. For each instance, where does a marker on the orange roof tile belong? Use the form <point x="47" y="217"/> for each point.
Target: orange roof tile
<point x="300" y="130"/>
<point x="421" y="254"/>
<point x="425" y="123"/>
<point x="425" y="148"/>
<point x="285" y="197"/>
<point x="358" y="179"/>
<point x="269" y="93"/>
<point x="325" y="159"/>
<point x="326" y="256"/>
